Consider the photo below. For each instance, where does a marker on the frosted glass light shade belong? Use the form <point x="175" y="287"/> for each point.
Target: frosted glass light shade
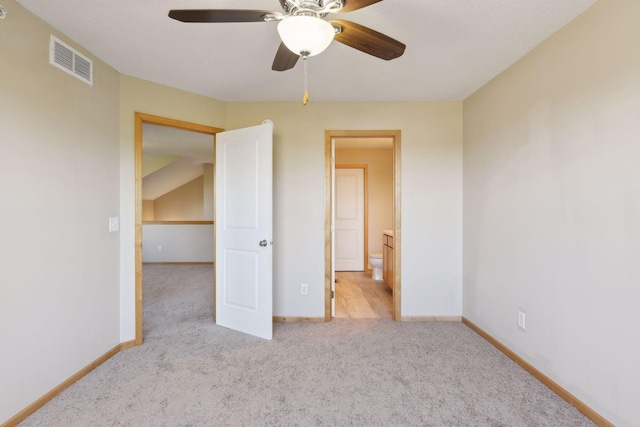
<point x="305" y="34"/>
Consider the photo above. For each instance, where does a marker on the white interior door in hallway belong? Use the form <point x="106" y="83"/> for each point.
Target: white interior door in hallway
<point x="349" y="219"/>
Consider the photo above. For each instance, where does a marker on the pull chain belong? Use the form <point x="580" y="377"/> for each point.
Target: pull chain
<point x="305" y="97"/>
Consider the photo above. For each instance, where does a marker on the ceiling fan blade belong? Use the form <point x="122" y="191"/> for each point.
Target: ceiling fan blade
<point x="351" y="5"/>
<point x="285" y="59"/>
<point x="220" y="15"/>
<point x="367" y="40"/>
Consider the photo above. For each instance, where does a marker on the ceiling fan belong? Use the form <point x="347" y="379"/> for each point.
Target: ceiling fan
<point x="303" y="29"/>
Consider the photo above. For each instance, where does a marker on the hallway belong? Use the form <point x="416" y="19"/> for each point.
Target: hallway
<point x="358" y="296"/>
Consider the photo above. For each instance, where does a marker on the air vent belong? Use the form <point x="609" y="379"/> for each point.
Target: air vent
<point x="66" y="58"/>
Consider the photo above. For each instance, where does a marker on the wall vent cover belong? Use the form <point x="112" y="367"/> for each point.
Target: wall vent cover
<point x="68" y="59"/>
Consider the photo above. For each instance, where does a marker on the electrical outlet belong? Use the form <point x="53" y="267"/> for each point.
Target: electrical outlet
<point x="521" y="319"/>
<point x="159" y="248"/>
<point x="304" y="289"/>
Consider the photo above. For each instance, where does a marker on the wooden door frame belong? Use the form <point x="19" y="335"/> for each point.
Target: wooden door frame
<point x="365" y="214"/>
<point x="140" y="120"/>
<point x="395" y="135"/>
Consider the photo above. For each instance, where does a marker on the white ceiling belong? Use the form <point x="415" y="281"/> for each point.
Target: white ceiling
<point x="453" y="46"/>
<point x="162" y="140"/>
<point x="192" y="150"/>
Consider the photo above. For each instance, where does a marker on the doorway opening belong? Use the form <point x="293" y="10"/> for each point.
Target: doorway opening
<point x="142" y="119"/>
<point x="374" y="241"/>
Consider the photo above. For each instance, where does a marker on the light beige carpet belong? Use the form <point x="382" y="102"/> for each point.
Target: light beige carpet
<point x="190" y="372"/>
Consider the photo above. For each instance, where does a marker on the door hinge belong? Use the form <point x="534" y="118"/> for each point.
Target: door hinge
<point x="333" y="294"/>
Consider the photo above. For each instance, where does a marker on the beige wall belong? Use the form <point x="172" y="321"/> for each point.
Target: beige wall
<point x="431" y="183"/>
<point x="148" y="210"/>
<point x="59" y="175"/>
<point x="185" y="203"/>
<point x="431" y="197"/>
<point x="380" y="189"/>
<point x="192" y="201"/>
<point x="180" y="243"/>
<point x="208" y="192"/>
<point x="552" y="208"/>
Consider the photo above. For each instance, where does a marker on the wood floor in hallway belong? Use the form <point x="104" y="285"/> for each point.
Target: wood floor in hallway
<point x="358" y="296"/>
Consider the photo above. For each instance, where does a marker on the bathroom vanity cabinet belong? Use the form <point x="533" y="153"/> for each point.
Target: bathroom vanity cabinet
<point x="387" y="258"/>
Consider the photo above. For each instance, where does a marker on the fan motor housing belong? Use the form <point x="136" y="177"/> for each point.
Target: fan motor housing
<point x="317" y="8"/>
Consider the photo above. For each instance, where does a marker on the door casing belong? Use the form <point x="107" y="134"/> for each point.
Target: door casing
<point x="141" y="119"/>
<point x="395" y="135"/>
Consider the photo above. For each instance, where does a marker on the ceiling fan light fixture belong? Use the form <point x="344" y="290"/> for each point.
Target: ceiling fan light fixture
<point x="306" y="34"/>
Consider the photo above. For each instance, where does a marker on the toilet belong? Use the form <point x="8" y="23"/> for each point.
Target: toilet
<point x="376" y="262"/>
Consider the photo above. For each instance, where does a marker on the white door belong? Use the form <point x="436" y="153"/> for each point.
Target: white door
<point x="349" y="225"/>
<point x="243" y="230"/>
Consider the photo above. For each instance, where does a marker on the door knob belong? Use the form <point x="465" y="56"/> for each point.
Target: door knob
<point x="263" y="243"/>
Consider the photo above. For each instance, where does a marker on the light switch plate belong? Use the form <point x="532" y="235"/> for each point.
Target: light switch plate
<point x="114" y="224"/>
<point x="521" y="319"/>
